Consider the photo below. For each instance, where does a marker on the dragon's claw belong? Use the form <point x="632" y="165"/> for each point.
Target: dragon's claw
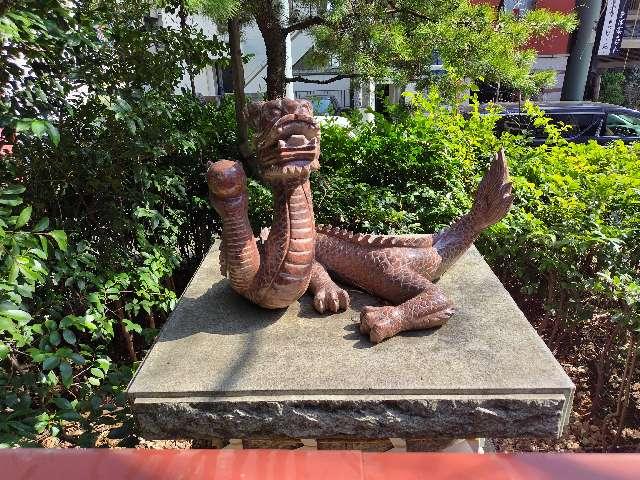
<point x="380" y="322"/>
<point x="331" y="298"/>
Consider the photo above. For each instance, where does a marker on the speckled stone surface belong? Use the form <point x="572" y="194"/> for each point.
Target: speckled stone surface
<point x="223" y="367"/>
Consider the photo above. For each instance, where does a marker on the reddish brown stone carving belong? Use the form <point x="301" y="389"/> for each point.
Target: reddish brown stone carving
<point x="398" y="269"/>
<point x="287" y="148"/>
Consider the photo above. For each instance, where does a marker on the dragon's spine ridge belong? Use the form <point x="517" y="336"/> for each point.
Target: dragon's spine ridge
<point x="373" y="240"/>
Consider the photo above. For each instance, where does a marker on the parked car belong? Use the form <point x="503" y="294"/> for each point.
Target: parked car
<point x="601" y="122"/>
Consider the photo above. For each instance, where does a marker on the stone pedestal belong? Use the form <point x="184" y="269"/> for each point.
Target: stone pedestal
<point x="224" y="368"/>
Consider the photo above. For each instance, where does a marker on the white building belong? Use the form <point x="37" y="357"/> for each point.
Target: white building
<point x="212" y="82"/>
<point x="208" y="81"/>
<point x="255" y="71"/>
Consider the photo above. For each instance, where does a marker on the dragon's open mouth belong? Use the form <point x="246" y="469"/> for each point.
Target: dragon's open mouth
<point x="291" y="147"/>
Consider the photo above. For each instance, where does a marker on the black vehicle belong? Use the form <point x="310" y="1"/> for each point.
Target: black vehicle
<point x="601" y="122"/>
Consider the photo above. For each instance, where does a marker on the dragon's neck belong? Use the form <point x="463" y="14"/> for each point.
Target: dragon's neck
<point x="285" y="266"/>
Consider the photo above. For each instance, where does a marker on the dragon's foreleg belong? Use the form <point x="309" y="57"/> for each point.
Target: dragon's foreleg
<point x="428" y="308"/>
<point x="327" y="295"/>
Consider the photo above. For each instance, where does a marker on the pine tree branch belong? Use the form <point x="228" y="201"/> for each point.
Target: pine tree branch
<point x="303" y="24"/>
<point x="298" y="78"/>
<point x="393" y="8"/>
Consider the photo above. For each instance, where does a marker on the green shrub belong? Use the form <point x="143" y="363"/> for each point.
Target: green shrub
<point x="119" y="166"/>
<point x="612" y="88"/>
<point x="74" y="317"/>
<point x="573" y="235"/>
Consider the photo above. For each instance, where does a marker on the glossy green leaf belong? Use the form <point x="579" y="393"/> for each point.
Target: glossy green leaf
<point x="66" y="374"/>
<point x="24" y="217"/>
<point x="12" y="190"/>
<point x="54" y="134"/>
<point x="61" y="239"/>
<point x="50" y="363"/>
<point x="54" y="338"/>
<point x="18" y="315"/>
<point x="39" y="127"/>
<point x="42" y="225"/>
<point x="69" y="336"/>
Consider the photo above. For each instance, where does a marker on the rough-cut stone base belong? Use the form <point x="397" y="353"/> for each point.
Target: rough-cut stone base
<point x="224" y="368"/>
<point x="402" y="417"/>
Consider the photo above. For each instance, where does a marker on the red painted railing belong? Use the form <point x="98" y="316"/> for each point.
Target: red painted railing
<point x="102" y="464"/>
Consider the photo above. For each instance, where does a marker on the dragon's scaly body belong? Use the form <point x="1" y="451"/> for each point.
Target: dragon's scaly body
<point x="297" y="256"/>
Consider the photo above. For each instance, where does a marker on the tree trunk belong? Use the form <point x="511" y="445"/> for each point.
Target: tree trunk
<point x="238" y="87"/>
<point x="126" y="335"/>
<point x="267" y="16"/>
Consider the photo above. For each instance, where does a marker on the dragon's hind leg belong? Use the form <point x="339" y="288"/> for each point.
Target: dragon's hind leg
<point x="428" y="308"/>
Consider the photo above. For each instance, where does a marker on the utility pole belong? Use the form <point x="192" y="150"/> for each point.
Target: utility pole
<point x="575" y="79"/>
<point x="288" y="62"/>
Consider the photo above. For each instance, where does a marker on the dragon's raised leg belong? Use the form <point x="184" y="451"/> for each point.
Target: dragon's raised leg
<point x="428" y="308"/>
<point x="239" y="256"/>
<point x="327" y="296"/>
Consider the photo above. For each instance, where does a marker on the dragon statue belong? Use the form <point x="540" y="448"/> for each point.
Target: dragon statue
<point x="298" y="255"/>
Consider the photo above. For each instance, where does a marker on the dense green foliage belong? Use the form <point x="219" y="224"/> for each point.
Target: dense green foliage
<point x="121" y="174"/>
<point x="612" y="88"/>
<point x="621" y="87"/>
<point x="406" y="173"/>
<point x="573" y="235"/>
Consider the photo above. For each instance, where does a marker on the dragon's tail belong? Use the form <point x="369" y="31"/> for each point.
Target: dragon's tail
<point x="492" y="202"/>
<point x="493" y="198"/>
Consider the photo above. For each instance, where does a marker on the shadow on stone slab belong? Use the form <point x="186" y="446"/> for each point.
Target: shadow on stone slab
<point x="231" y="314"/>
<point x="359" y="300"/>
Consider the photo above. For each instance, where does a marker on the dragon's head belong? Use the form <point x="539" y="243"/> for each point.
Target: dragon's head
<point x="287" y="139"/>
